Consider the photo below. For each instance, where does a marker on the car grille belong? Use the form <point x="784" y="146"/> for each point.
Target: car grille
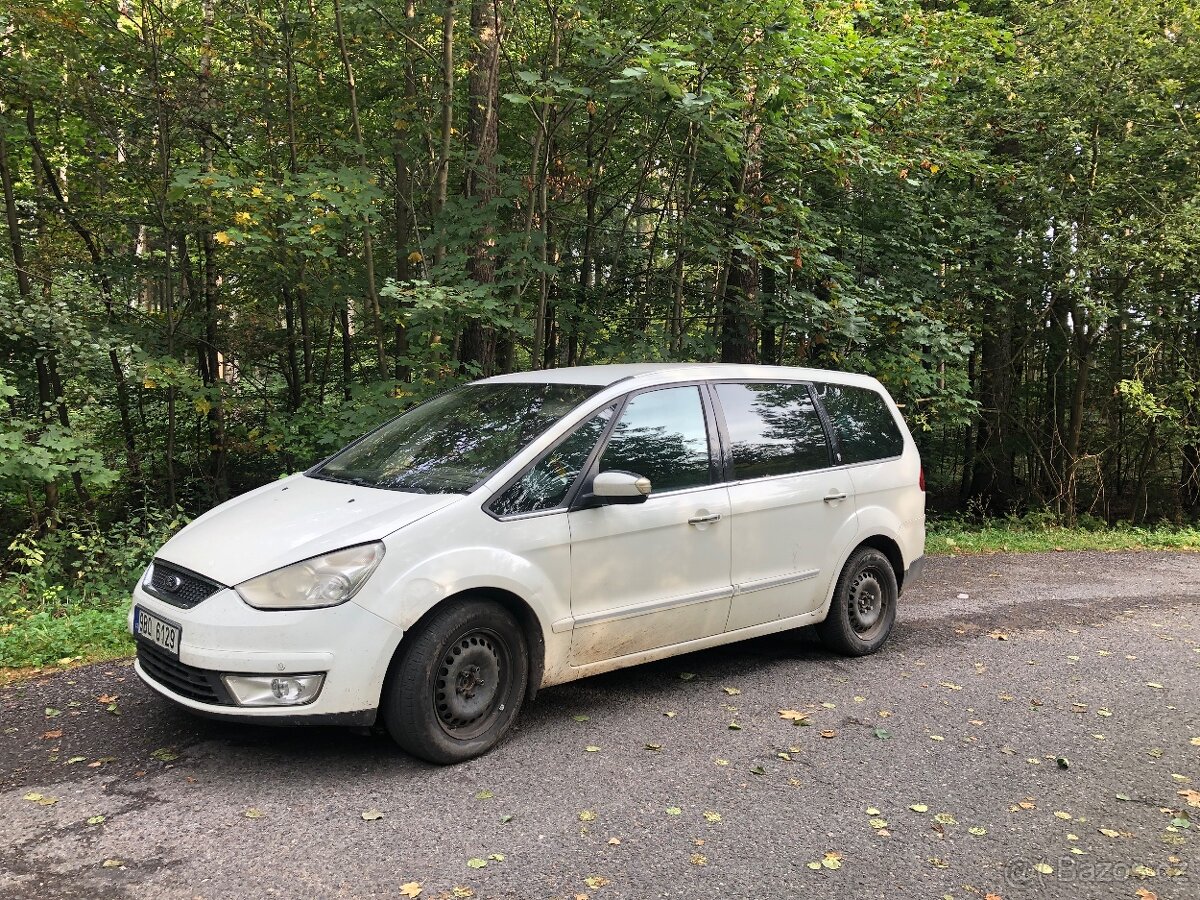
<point x="179" y="586"/>
<point x="200" y="685"/>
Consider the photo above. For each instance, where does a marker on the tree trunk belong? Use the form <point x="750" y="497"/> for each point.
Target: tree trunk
<point x="441" y="178"/>
<point x="481" y="176"/>
<point x="368" y="247"/>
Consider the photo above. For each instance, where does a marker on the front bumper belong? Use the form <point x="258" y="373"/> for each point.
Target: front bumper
<point x="350" y="645"/>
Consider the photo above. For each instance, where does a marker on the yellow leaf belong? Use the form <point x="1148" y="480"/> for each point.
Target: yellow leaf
<point x="149" y="383"/>
<point x="410" y="889"/>
<point x="256" y="191"/>
<point x="242" y="218"/>
<point x="222" y="238"/>
<point x="415" y="256"/>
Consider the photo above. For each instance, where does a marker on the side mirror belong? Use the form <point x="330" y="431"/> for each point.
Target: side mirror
<point x="620" y="487"/>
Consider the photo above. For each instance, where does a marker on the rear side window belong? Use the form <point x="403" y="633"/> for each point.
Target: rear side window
<point x="774" y="428"/>
<point x="662" y="435"/>
<point x="866" y="428"/>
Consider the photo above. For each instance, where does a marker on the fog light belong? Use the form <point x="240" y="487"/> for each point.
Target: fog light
<point x="274" y="690"/>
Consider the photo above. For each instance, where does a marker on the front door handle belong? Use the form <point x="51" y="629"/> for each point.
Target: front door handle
<point x="704" y="520"/>
<point x="835" y="497"/>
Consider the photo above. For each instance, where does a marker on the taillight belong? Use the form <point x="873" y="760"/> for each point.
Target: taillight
<point x="921" y="480"/>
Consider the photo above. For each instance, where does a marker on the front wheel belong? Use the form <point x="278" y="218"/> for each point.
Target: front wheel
<point x="459" y="684"/>
<point x="863" y="608"/>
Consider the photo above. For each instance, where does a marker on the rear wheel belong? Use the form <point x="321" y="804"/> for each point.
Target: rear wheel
<point x="459" y="684"/>
<point x="863" y="608"/>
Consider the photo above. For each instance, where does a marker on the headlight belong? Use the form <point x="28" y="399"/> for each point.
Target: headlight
<point x="321" y="581"/>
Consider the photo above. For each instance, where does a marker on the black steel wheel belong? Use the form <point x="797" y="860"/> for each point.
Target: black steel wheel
<point x="459" y="682"/>
<point x="863" y="609"/>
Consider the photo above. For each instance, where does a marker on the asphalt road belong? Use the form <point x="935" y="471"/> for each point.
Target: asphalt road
<point x="928" y="770"/>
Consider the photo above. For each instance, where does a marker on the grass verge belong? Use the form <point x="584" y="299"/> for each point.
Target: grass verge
<point x="950" y="537"/>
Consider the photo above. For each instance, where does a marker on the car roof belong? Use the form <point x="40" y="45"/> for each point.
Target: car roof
<point x="666" y="372"/>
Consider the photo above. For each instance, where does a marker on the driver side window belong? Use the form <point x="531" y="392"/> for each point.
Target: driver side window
<point x="662" y="435"/>
<point x="545" y="485"/>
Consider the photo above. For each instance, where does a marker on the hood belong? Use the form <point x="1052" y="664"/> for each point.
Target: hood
<point x="290" y="520"/>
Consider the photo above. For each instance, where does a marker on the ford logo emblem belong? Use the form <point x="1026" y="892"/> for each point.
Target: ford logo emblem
<point x="174" y="583"/>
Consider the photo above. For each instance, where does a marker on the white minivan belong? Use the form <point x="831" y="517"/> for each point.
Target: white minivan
<point x="529" y="529"/>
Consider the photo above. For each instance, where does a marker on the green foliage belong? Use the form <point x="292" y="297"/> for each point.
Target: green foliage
<point x="1044" y="533"/>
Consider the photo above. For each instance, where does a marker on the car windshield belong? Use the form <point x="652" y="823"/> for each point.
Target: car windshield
<point x="457" y="439"/>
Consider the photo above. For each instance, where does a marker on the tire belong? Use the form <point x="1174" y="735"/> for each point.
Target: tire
<point x="863" y="608"/>
<point x="459" y="684"/>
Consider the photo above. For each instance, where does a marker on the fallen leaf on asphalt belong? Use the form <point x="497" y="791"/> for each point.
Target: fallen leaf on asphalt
<point x="581" y="718"/>
<point x="1027" y="804"/>
<point x="654" y="747"/>
<point x="107" y="698"/>
<point x="372" y="815"/>
<point x="102" y="761"/>
<point x="253" y="813"/>
<point x="504" y="820"/>
<point x="484" y="794"/>
<point x="75" y="759"/>
<point x="919" y="808"/>
<point x="1155" y="685"/>
<point x="884" y="713"/>
<point x="951" y="685"/>
<point x="596" y="881"/>
<point x="1143" y="871"/>
<point x="1043" y="868"/>
<point x="1192" y="797"/>
<point x="829" y="705"/>
<point x="936" y="737"/>
<point x="1065" y="816"/>
<point x="977" y="830"/>
<point x="670" y="714"/>
<point x="721" y="762"/>
<point x="883" y="734"/>
<point x="476" y="863"/>
<point x="112" y="864"/>
<point x="673" y="810"/>
<point x="732" y="691"/>
<point x="1143" y="894"/>
<point x="1195" y="742"/>
<point x="614" y="841"/>
<point x="112" y="708"/>
<point x="832" y="860"/>
<point x="878" y="823"/>
<point x="699" y="859"/>
<point x="711" y="816"/>
<point x="587" y="816"/>
<point x="872" y="811"/>
<point x="1122" y="796"/>
<point x="828" y="733"/>
<point x="95" y="820"/>
<point x="40" y="799"/>
<point x="164" y="754"/>
<point x="1104" y="712"/>
<point x="410" y="889"/>
<point x="592" y="748"/>
<point x="1109" y="832"/>
<point x="496" y="857"/>
<point x="758" y="770"/>
<point x="52" y="735"/>
<point x="998" y="635"/>
<point x="945" y="819"/>
<point x="51" y="712"/>
<point x="461" y="890"/>
<point x="686" y="676"/>
<point x="938" y="863"/>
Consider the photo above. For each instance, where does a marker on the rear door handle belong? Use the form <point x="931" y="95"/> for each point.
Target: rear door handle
<point x="704" y="520"/>
<point x="834" y="498"/>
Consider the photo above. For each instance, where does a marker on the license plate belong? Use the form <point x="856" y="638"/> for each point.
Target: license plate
<point x="157" y="631"/>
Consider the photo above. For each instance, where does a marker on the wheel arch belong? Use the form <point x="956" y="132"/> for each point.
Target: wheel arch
<point x="889" y="548"/>
<point x="535" y="641"/>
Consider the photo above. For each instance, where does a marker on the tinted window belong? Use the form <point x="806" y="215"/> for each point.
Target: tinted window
<point x="662" y="435"/>
<point x="775" y="429"/>
<point x="545" y="486"/>
<point x="865" y="426"/>
<point x="449" y="444"/>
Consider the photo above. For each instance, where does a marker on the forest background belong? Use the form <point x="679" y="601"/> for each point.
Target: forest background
<point x="239" y="233"/>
